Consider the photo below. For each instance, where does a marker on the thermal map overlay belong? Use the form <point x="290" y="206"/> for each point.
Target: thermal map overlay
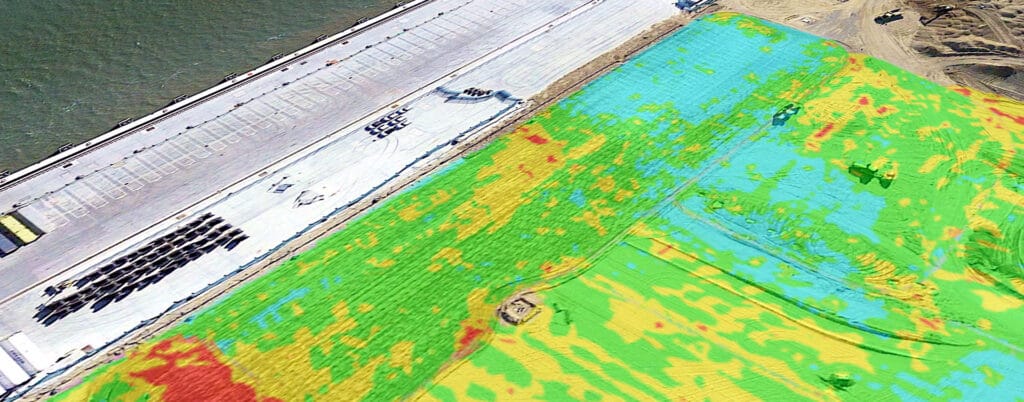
<point x="741" y="212"/>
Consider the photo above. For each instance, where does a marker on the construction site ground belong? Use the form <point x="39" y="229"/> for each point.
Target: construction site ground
<point x="978" y="44"/>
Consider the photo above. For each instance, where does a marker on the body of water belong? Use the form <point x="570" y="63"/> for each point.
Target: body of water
<point x="70" y="70"/>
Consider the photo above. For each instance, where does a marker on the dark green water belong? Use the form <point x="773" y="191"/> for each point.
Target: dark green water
<point x="69" y="70"/>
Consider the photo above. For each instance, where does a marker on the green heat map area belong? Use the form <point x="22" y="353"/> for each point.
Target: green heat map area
<point x="742" y="211"/>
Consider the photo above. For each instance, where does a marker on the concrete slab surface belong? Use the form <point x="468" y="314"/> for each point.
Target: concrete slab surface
<point x="115" y="191"/>
<point x="219" y="156"/>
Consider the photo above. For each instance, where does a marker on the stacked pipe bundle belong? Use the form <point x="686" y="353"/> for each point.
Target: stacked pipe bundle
<point x="386" y="125"/>
<point x="146" y="265"/>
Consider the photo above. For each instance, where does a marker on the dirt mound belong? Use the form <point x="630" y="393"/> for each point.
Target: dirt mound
<point x="968" y="45"/>
<point x="1006" y="80"/>
<point x="974" y="28"/>
<point x="991" y="29"/>
<point x="933" y="38"/>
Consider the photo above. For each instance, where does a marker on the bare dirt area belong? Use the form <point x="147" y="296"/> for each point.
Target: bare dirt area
<point x="1002" y="79"/>
<point x="519" y="308"/>
<point x="976" y="43"/>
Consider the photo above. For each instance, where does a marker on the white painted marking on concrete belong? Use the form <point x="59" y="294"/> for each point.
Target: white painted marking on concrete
<point x="83" y="195"/>
<point x="217" y="145"/>
<point x="52" y="213"/>
<point x="134" y="165"/>
<point x="163" y="163"/>
<point x="109" y="187"/>
<point x="201" y="136"/>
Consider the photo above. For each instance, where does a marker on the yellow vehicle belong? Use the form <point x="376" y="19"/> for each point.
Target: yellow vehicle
<point x="18" y="229"/>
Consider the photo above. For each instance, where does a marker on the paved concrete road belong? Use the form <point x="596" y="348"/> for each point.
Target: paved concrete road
<point x="110" y="194"/>
<point x="342" y="167"/>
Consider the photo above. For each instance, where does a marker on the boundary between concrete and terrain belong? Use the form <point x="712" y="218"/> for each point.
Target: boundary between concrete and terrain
<point x="298" y="154"/>
<point x="336" y="220"/>
<point x="560" y="89"/>
<point x="199" y="98"/>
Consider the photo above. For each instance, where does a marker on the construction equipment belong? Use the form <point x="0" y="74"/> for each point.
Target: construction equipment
<point x="693" y="5"/>
<point x="939" y="10"/>
<point x="864" y="173"/>
<point x="783" y="115"/>
<point x="889" y="16"/>
<point x="280" y="186"/>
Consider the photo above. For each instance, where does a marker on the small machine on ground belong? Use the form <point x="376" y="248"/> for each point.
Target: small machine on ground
<point x="889" y="16"/>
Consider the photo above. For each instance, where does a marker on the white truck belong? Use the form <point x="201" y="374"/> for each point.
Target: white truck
<point x="11" y="374"/>
<point x="25" y="352"/>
